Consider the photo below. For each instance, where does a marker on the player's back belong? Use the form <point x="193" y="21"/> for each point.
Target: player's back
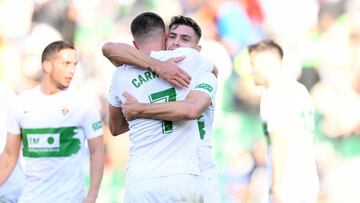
<point x="161" y="148"/>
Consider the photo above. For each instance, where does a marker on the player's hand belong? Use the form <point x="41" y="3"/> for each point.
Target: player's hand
<point x="130" y="107"/>
<point x="170" y="71"/>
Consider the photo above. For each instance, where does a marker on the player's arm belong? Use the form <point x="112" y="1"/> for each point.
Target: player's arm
<point x="97" y="151"/>
<point x="189" y="109"/>
<point x="117" y="122"/>
<point x="278" y="152"/>
<point x="121" y="53"/>
<point x="9" y="157"/>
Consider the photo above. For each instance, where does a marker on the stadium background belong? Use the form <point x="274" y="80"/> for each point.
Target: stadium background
<point x="321" y="39"/>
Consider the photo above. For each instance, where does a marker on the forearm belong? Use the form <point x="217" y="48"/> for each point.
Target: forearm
<point x="172" y="111"/>
<point x="190" y="109"/>
<point x="121" y="53"/>
<point x="96" y="167"/>
<point x="9" y="157"/>
<point x="278" y="155"/>
<point x="119" y="128"/>
<point x="7" y="165"/>
<point x="117" y="123"/>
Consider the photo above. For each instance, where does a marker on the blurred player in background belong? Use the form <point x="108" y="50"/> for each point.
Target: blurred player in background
<point x="287" y="112"/>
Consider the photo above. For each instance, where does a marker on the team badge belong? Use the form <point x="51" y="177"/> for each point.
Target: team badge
<point x="65" y="110"/>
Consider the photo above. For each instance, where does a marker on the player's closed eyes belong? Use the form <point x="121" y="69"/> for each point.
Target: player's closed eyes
<point x="186" y="39"/>
<point x="171" y="36"/>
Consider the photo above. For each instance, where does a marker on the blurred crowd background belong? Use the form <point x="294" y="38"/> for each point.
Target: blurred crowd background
<point x="321" y="39"/>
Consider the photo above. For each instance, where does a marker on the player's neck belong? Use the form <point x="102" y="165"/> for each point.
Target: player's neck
<point x="49" y="88"/>
<point x="276" y="79"/>
<point x="149" y="46"/>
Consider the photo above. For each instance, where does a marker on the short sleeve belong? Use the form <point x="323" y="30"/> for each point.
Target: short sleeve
<point x="113" y="96"/>
<point x="91" y="121"/>
<point x="7" y="96"/>
<point x="12" y="118"/>
<point x="207" y="83"/>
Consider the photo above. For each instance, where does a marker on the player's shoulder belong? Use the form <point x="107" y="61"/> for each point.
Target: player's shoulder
<point x="298" y="88"/>
<point x="125" y="72"/>
<point x="29" y="92"/>
<point x="301" y="86"/>
<point x="78" y="93"/>
<point x="187" y="50"/>
<point x="6" y="91"/>
<point x="126" y="68"/>
<point x="25" y="97"/>
<point x="80" y="97"/>
<point x="181" y="51"/>
<point x="5" y="88"/>
<point x="122" y="68"/>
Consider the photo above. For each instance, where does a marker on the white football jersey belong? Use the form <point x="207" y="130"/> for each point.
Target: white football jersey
<point x="288" y="107"/>
<point x="160" y="148"/>
<point x="53" y="130"/>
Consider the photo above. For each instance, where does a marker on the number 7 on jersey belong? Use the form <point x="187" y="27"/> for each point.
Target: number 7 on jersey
<point x="165" y="96"/>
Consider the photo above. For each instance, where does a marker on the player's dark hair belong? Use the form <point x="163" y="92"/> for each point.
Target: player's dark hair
<point x="183" y="20"/>
<point x="54" y="48"/>
<point x="266" y="45"/>
<point x="145" y="24"/>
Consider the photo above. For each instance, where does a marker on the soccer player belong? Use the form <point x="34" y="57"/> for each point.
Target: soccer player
<point x="162" y="151"/>
<point x="52" y="122"/>
<point x="182" y="33"/>
<point x="287" y="112"/>
<point x="11" y="190"/>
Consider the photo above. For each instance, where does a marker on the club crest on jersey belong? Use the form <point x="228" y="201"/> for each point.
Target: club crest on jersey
<point x="65" y="110"/>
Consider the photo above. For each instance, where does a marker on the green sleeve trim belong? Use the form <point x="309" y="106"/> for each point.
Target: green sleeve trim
<point x="205" y="86"/>
<point x="97" y="125"/>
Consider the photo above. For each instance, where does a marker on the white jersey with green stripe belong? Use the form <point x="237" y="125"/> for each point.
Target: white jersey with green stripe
<point x="53" y="130"/>
<point x="287" y="109"/>
<point x="160" y="148"/>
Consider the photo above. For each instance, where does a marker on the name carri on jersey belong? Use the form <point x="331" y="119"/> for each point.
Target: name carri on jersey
<point x="143" y="78"/>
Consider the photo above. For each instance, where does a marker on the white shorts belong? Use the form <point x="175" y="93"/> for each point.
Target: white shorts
<point x="210" y="189"/>
<point x="181" y="188"/>
<point x="209" y="178"/>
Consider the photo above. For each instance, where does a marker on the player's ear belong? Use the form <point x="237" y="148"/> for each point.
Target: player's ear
<point x="198" y="48"/>
<point x="164" y="36"/>
<point x="46" y="66"/>
<point x="135" y="45"/>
